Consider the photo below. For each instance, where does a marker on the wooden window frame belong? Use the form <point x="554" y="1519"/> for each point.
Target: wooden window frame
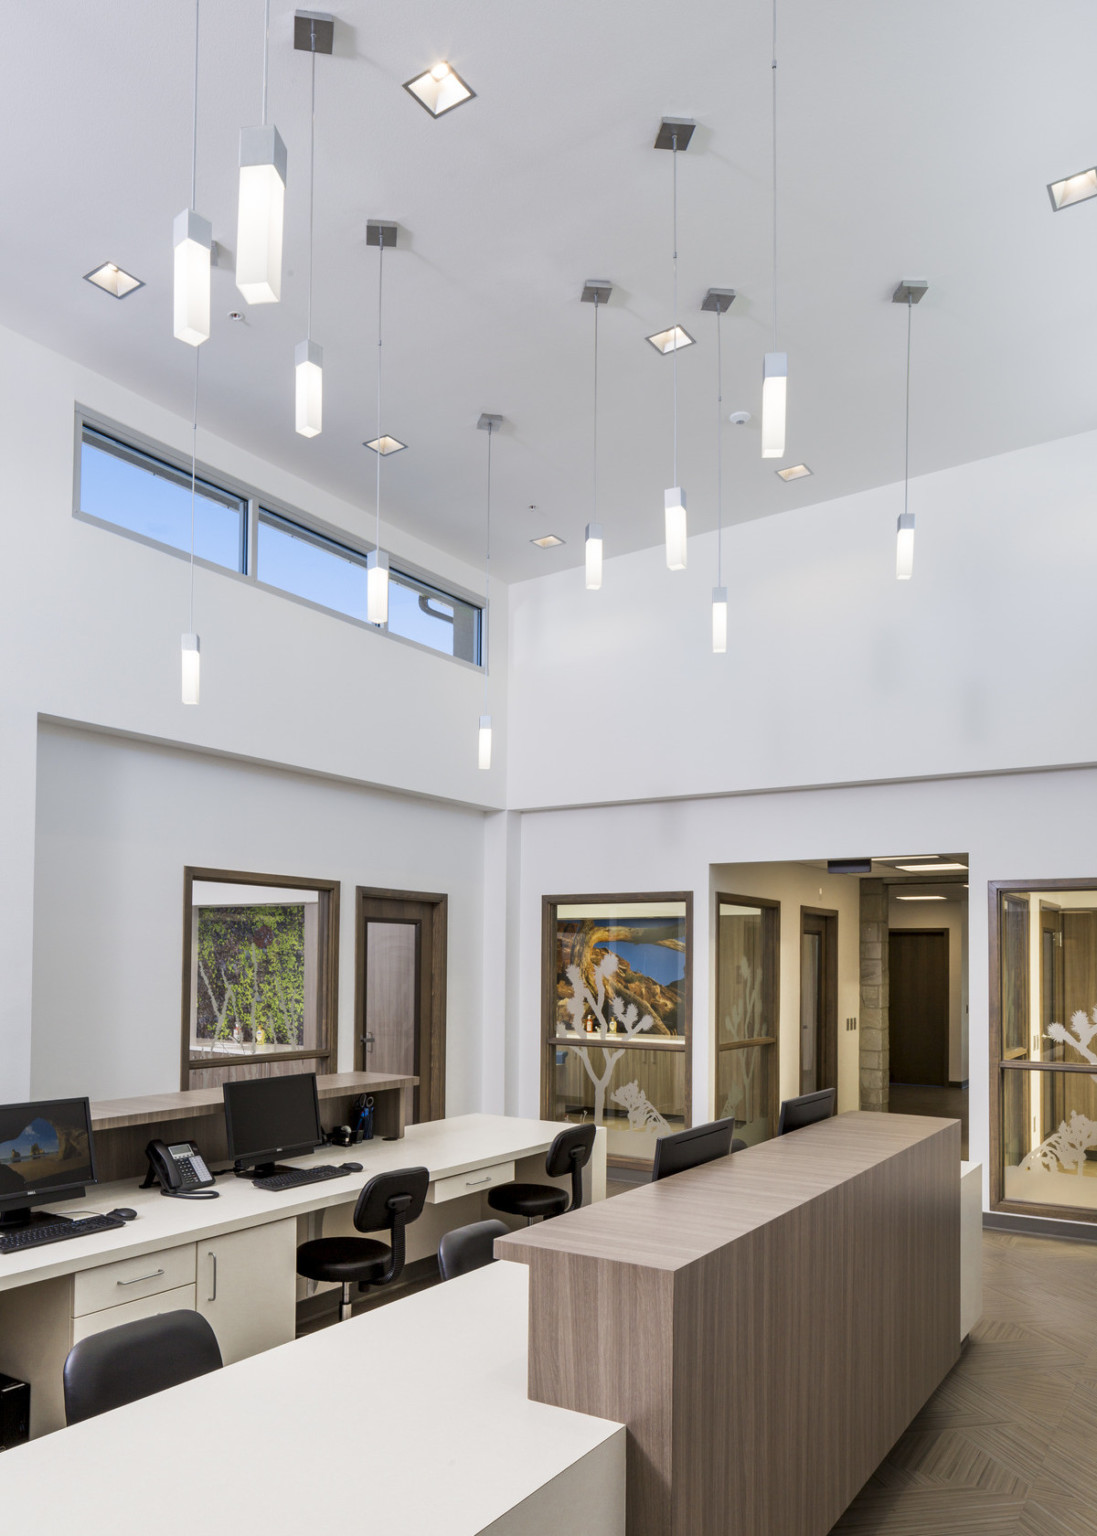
<point x="1000" y="1064"/>
<point x="549" y="904"/>
<point x="772" y="980"/>
<point x="327" y="996"/>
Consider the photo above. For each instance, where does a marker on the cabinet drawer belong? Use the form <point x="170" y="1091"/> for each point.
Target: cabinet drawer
<point x="181" y="1298"/>
<point x="130" y="1279"/>
<point x="470" y="1183"/>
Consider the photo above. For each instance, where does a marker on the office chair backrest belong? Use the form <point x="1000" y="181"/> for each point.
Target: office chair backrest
<point x="806" y="1110"/>
<point x="392" y="1200"/>
<point x="570" y="1153"/>
<point x="468" y="1248"/>
<point x="689" y="1149"/>
<point x="134" y="1360"/>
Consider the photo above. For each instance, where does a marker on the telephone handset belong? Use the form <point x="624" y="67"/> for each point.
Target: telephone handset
<point x="179" y="1170"/>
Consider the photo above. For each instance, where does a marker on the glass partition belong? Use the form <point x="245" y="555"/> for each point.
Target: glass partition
<point x="1045" y="1093"/>
<point x="747" y="950"/>
<point x="616" y="1017"/>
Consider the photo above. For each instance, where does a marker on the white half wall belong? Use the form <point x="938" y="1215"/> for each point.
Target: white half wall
<point x="117" y="822"/>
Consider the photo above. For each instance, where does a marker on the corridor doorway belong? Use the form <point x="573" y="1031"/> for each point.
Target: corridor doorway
<point x="818" y="999"/>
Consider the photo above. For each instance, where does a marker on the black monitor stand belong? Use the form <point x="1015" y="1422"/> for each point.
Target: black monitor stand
<point x="262" y="1170"/>
<point x="22" y="1216"/>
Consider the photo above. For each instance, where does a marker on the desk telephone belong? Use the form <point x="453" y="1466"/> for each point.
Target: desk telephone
<point x="179" y="1170"/>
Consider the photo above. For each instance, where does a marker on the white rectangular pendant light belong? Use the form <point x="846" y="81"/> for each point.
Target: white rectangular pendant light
<point x="719" y="620"/>
<point x="377" y="587"/>
<point x="774" y="391"/>
<point x="191" y="668"/>
<point x="309" y="384"/>
<point x="260" y="215"/>
<point x="594" y="556"/>
<point x="904" y="547"/>
<point x="192" y="237"/>
<point x="483" y="743"/>
<point x="675" y="503"/>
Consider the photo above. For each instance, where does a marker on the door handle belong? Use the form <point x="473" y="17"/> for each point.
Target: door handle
<point x="138" y="1278"/>
<point x="213" y="1277"/>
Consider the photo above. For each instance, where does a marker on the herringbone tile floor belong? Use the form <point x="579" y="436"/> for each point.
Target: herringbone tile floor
<point x="1007" y="1445"/>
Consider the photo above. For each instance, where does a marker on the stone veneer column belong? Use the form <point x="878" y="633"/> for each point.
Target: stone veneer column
<point x="874" y="995"/>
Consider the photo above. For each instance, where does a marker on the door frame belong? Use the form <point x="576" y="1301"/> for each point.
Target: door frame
<point x="771" y="942"/>
<point x="829" y="1021"/>
<point x="430" y="982"/>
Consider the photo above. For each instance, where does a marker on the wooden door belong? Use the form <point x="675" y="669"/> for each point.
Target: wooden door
<point x="400" y="1002"/>
<point x="918" y="1005"/>
<point x="818" y="999"/>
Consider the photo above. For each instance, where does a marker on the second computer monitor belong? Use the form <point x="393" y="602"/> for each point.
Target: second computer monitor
<point x="689" y="1149"/>
<point x="271" y="1117"/>
<point x="806" y="1110"/>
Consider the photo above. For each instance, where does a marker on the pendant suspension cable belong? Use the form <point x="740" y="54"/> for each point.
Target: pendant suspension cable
<point x="719" y="455"/>
<point x="906" y="444"/>
<point x="266" y="56"/>
<point x="312" y="178"/>
<point x="674" y="329"/>
<point x="193" y="477"/>
<point x="379" y="455"/>
<point x="194" y="119"/>
<point x="487" y="572"/>
<point x="773" y="71"/>
<point x="595" y="517"/>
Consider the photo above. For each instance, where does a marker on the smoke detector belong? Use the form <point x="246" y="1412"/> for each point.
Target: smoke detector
<point x="739" y="418"/>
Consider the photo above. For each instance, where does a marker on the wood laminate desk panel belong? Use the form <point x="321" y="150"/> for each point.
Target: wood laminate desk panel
<point x="412" y="1420"/>
<point x="766" y="1325"/>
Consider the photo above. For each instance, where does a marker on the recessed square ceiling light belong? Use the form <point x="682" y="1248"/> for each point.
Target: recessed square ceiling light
<point x="385" y="445"/>
<point x="671" y="341"/>
<point x="113" y="280"/>
<point x="547" y="541"/>
<point x="1073" y="189"/>
<point x="921" y="898"/>
<point x="922" y="869"/>
<point x="439" y="89"/>
<point x="793" y="472"/>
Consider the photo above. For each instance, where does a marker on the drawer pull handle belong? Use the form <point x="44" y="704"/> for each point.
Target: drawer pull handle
<point x="213" y="1256"/>
<point x="138" y="1278"/>
<point x="485" y="1180"/>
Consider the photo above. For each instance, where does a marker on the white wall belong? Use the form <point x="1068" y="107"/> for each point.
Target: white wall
<point x="835" y="672"/>
<point x="952" y="916"/>
<point x="90" y="624"/>
<point x="796" y="886"/>
<point x="117" y="822"/>
<point x="1014" y="826"/>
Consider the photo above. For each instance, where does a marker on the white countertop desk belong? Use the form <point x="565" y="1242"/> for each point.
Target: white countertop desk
<point x="234" y="1258"/>
<point x="412" y="1419"/>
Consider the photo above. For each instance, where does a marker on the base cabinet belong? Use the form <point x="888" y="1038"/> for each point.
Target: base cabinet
<point x="245" y="1289"/>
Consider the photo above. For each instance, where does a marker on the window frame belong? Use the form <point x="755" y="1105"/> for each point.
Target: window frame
<point x="327" y="999"/>
<point x="255" y="501"/>
<point x="549" y="1038"/>
<point x="1001" y="1064"/>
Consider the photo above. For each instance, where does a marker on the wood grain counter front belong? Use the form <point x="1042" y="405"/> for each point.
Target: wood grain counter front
<point x="766" y="1325"/>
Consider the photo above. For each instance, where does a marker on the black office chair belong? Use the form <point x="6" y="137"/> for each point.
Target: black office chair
<point x="468" y="1248"/>
<point x="570" y="1152"/>
<point x="808" y="1109"/>
<point x="135" y="1360"/>
<point x="390" y="1200"/>
<point x="689" y="1149"/>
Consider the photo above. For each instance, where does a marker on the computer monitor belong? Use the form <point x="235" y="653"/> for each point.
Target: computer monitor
<point x="689" y="1149"/>
<point x="46" y="1154"/>
<point x="271" y="1117"/>
<point x="806" y="1110"/>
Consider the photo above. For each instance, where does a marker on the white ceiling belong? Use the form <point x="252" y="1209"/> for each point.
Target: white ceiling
<point x="914" y="141"/>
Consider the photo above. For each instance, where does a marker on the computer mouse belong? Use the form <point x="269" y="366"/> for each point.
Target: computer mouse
<point x="123" y="1213"/>
<point x="351" y="1167"/>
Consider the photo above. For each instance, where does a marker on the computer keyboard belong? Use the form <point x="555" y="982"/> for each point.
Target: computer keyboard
<point x="298" y="1176"/>
<point x="55" y="1232"/>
